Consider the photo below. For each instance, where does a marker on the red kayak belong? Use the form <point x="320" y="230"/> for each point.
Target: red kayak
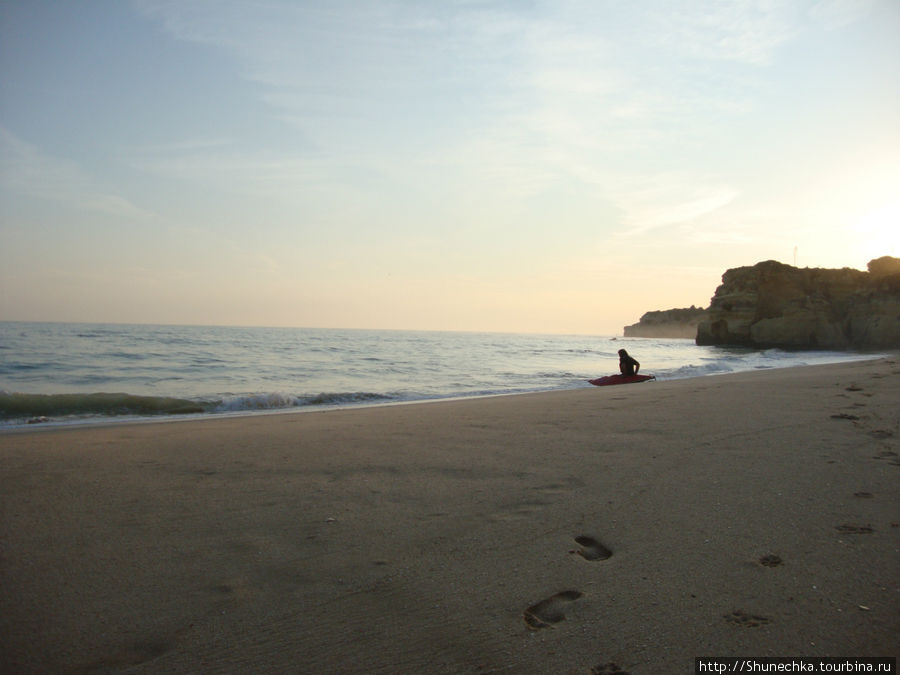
<point x="620" y="379"/>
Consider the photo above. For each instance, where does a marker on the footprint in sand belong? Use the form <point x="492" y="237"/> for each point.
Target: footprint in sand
<point x="550" y="611"/>
<point x="591" y="549"/>
<point x="137" y="654"/>
<point x="888" y="455"/>
<point x="608" y="669"/>
<point x="849" y="528"/>
<point x="744" y="620"/>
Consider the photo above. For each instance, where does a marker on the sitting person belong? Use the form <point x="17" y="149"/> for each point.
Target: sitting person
<point x="627" y="364"/>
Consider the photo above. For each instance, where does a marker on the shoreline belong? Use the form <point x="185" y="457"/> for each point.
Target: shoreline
<point x="115" y="420"/>
<point x="753" y="513"/>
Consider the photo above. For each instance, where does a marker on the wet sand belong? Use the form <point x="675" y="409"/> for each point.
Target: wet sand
<point x="643" y="525"/>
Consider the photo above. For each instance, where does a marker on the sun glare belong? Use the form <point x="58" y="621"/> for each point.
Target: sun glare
<point x="878" y="232"/>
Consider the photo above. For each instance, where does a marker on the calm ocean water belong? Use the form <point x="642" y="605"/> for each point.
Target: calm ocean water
<point x="71" y="373"/>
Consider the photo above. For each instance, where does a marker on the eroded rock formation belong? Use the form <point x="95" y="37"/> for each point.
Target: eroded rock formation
<point x="775" y="305"/>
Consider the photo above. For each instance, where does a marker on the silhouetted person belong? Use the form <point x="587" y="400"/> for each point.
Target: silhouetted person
<point x="627" y="364"/>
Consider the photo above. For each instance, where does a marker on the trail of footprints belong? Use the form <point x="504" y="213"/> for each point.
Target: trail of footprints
<point x="552" y="610"/>
<point x="745" y="620"/>
<point x="858" y="421"/>
<point x="880" y="434"/>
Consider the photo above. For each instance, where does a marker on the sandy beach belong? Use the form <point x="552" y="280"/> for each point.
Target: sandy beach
<point x="753" y="514"/>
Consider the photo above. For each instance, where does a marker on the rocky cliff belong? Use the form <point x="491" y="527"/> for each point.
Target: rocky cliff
<point x="775" y="305"/>
<point x="668" y="323"/>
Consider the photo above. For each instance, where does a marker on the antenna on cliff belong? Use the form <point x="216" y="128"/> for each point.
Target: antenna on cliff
<point x="795" y="256"/>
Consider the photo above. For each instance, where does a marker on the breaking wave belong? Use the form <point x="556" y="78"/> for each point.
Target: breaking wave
<point x="34" y="408"/>
<point x="67" y="405"/>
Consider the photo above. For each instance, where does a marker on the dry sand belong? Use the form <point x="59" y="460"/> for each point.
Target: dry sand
<point x="751" y="514"/>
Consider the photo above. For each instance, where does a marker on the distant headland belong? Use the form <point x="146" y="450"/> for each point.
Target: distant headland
<point x="668" y="323"/>
<point x="771" y="304"/>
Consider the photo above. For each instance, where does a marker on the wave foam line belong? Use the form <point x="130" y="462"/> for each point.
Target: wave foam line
<point x="275" y="401"/>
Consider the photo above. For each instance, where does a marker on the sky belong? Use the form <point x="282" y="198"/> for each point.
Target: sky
<point x="558" y="166"/>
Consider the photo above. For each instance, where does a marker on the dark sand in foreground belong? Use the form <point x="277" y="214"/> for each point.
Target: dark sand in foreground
<point x="643" y="525"/>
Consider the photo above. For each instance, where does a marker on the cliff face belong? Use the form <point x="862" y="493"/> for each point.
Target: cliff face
<point x="669" y="323"/>
<point x="775" y="305"/>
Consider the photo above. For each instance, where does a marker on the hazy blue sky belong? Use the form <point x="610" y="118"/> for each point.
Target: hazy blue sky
<point x="558" y="166"/>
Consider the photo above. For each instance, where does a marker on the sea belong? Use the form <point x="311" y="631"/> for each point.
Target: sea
<point x="55" y="374"/>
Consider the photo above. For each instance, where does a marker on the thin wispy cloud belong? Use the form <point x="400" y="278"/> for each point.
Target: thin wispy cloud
<point x="546" y="92"/>
<point x="835" y="14"/>
<point x="743" y="31"/>
<point x="666" y="200"/>
<point x="25" y="170"/>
